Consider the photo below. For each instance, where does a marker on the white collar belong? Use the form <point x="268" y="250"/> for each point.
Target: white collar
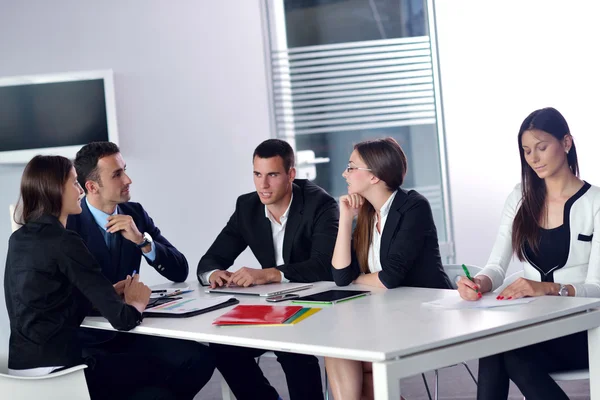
<point x="285" y="214"/>
<point x="385" y="209"/>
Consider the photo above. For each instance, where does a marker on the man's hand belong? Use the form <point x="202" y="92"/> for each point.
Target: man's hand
<point x="526" y="288"/>
<point x="125" y="224"/>
<point x="120" y="286"/>
<point x="219" y="278"/>
<point x="250" y="276"/>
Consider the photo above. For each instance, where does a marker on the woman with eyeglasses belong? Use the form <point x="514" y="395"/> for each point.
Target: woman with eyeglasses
<point x="394" y="243"/>
<point x="52" y="280"/>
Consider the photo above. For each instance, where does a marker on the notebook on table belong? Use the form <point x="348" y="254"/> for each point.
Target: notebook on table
<point x="263" y="315"/>
<point x="271" y="289"/>
<point x="331" y="296"/>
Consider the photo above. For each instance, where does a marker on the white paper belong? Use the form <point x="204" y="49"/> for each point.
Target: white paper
<point x="487" y="301"/>
<point x="186" y="305"/>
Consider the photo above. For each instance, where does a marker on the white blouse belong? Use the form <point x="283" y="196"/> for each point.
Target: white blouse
<point x="582" y="269"/>
<point x="375" y="247"/>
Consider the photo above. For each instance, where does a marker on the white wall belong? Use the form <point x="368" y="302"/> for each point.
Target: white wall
<point x="191" y="97"/>
<point x="499" y="61"/>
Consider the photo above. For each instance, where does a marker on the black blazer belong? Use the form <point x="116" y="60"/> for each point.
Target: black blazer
<point x="169" y="262"/>
<point x="49" y="282"/>
<point x="410" y="254"/>
<point x="308" y="243"/>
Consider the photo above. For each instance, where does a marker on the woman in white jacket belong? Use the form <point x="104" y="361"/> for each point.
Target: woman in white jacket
<point x="551" y="223"/>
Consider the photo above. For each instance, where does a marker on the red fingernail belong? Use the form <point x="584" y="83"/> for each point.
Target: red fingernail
<point x="501" y="297"/>
<point x="479" y="294"/>
<point x="497" y="297"/>
<point x="509" y="298"/>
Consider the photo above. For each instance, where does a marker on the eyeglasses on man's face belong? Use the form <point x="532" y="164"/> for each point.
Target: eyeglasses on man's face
<point x="351" y="168"/>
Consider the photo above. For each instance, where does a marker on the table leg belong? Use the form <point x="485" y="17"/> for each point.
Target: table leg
<point x="385" y="385"/>
<point x="594" y="358"/>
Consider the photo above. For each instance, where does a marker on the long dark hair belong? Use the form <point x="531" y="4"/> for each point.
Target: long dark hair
<point x="388" y="162"/>
<point x="42" y="187"/>
<point x="532" y="212"/>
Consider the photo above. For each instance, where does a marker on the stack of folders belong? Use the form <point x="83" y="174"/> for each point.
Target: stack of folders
<point x="265" y="315"/>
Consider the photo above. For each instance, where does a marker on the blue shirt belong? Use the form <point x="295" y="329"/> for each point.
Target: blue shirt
<point x="101" y="219"/>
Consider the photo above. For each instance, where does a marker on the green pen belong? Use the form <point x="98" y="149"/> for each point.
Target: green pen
<point x="468" y="275"/>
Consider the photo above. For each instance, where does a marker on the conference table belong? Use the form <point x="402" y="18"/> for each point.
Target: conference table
<point x="396" y="331"/>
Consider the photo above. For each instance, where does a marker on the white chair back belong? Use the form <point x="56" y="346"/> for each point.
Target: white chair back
<point x="67" y="384"/>
<point x="14" y="226"/>
<point x="455" y="271"/>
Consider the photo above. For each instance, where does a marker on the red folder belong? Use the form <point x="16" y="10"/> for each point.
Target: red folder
<point x="257" y="315"/>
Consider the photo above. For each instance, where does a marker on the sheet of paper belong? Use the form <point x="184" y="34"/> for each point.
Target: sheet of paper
<point x="487" y="301"/>
<point x="188" y="305"/>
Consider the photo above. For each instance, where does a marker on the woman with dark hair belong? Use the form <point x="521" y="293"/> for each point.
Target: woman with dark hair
<point x="50" y="283"/>
<point x="551" y="222"/>
<point x="394" y="243"/>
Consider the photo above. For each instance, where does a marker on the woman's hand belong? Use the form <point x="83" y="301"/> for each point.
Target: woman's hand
<point x="137" y="294"/>
<point x="120" y="286"/>
<point x="468" y="289"/>
<point x="525" y="288"/>
<point x="350" y="205"/>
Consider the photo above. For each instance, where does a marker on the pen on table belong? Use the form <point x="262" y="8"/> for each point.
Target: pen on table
<point x="178" y="292"/>
<point x="159" y="291"/>
<point x="468" y="275"/>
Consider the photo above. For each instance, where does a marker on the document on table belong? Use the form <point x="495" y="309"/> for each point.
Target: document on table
<point x="487" y="301"/>
<point x="190" y="306"/>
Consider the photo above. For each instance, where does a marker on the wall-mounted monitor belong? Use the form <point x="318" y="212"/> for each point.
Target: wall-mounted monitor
<point x="55" y="114"/>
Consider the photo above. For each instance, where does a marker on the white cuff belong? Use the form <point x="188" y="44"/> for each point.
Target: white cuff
<point x="283" y="279"/>
<point x="205" y="276"/>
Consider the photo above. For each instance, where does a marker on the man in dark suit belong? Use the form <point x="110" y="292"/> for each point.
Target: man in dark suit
<point x="291" y="226"/>
<point x="118" y="233"/>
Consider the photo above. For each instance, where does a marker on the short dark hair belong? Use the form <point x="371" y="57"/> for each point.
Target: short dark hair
<point x="86" y="161"/>
<point x="276" y="147"/>
<point x="42" y="186"/>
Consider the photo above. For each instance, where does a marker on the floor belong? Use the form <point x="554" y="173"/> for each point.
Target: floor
<point x="454" y="383"/>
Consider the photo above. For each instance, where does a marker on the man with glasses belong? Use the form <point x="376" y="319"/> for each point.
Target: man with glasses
<point x="291" y="227"/>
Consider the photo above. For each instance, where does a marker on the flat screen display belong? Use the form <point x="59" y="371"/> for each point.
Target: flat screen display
<point x="55" y="114"/>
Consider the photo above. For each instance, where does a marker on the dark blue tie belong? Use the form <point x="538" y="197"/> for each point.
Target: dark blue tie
<point x="110" y="239"/>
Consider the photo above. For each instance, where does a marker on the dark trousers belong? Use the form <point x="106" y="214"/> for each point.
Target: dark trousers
<point x="530" y="367"/>
<point x="181" y="367"/>
<point x="247" y="382"/>
<point x="123" y="377"/>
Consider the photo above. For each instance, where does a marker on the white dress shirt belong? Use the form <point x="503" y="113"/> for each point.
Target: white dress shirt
<point x="278" y="231"/>
<point x="375" y="247"/>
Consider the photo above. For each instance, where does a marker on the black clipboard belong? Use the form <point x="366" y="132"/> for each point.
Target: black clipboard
<point x="230" y="302"/>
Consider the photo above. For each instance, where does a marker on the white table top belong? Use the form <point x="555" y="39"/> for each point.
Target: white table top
<point x="385" y="325"/>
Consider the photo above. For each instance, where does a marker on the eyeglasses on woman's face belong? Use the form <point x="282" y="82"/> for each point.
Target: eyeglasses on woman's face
<point x="351" y="168"/>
